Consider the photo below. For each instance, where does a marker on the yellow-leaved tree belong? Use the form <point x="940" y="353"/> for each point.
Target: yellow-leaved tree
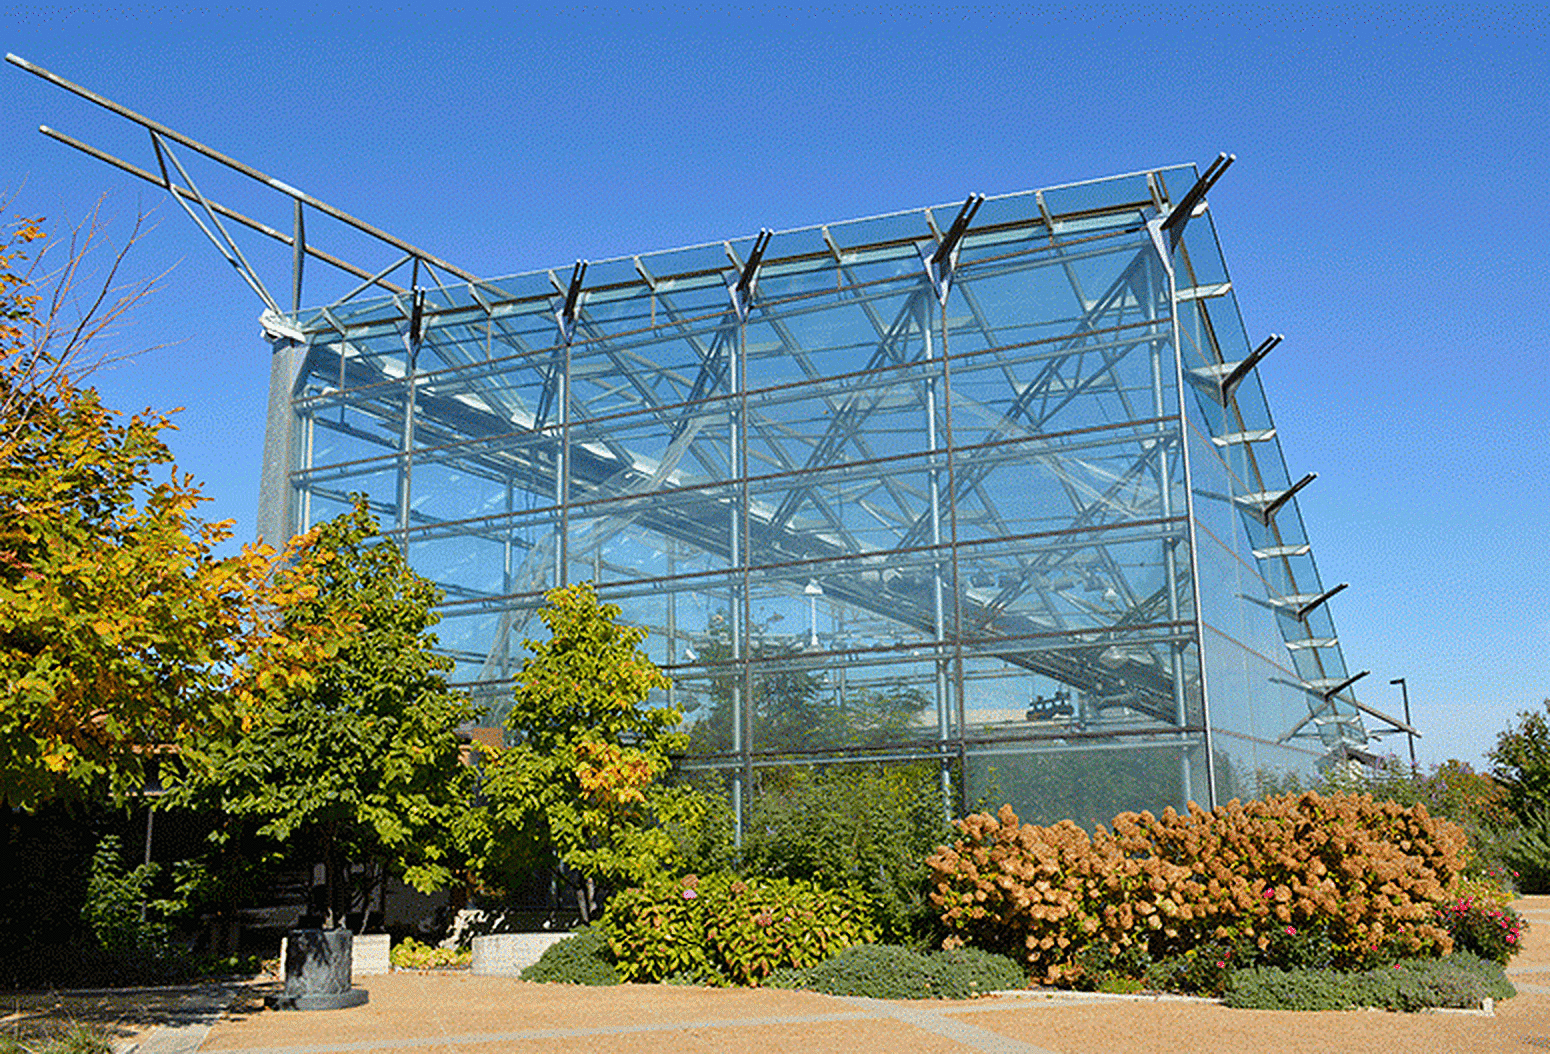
<point x="120" y="629"/>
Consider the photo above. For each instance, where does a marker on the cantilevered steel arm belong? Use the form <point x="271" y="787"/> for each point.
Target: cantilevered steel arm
<point x="232" y="214"/>
<point x="1185" y="209"/>
<point x="247" y="170"/>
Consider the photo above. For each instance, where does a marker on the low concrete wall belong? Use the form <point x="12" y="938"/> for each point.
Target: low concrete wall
<point x="507" y="954"/>
<point x="369" y="957"/>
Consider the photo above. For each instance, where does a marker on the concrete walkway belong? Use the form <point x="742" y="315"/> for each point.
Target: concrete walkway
<point x="456" y="1012"/>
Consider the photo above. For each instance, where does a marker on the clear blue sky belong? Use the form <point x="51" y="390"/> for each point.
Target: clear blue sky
<point x="1388" y="213"/>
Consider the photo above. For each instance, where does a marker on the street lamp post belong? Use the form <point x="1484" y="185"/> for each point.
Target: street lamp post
<point x="1405" y="692"/>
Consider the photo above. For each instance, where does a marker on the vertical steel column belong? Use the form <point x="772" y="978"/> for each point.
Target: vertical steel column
<point x="1162" y="474"/>
<point x="503" y="626"/>
<point x="672" y="623"/>
<point x="952" y="525"/>
<point x="1165" y="258"/>
<point x="939" y="602"/>
<point x="309" y="433"/>
<point x="406" y="446"/>
<point x="737" y="451"/>
<point x="562" y="477"/>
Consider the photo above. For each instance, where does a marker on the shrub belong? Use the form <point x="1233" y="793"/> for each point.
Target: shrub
<point x="886" y="971"/>
<point x="116" y="898"/>
<point x="1300" y="880"/>
<point x="1485" y="929"/>
<point x="1494" y="887"/>
<point x="964" y="973"/>
<point x="410" y="954"/>
<point x="847" y="825"/>
<point x="874" y="971"/>
<point x="727" y="930"/>
<point x="581" y="958"/>
<point x="1459" y="981"/>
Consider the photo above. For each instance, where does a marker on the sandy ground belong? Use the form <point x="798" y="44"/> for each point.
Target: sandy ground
<point x="458" y="1012"/>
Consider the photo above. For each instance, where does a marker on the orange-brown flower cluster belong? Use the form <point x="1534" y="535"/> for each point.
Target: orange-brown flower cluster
<point x="1368" y="874"/>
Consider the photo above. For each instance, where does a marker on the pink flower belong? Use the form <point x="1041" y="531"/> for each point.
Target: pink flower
<point x="1511" y="939"/>
<point x="690" y="894"/>
<point x="1291" y="931"/>
<point x="1221" y="964"/>
<point x="1269" y="893"/>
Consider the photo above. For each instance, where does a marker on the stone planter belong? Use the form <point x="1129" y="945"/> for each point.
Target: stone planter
<point x="317" y="972"/>
<point x="508" y="954"/>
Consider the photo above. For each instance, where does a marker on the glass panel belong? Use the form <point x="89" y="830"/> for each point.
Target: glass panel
<point x="855" y="522"/>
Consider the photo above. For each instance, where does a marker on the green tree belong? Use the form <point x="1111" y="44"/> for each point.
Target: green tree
<point x="580" y="782"/>
<point x="362" y="762"/>
<point x="1521" y="762"/>
<point x="120" y="631"/>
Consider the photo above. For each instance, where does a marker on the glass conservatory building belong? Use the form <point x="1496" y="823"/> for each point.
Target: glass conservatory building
<point x="990" y="486"/>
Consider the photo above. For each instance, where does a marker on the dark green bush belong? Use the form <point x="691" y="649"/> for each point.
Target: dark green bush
<point x="963" y="973"/>
<point x="581" y="958"/>
<point x="887" y="971"/>
<point x="1459" y="981"/>
<point x="875" y="971"/>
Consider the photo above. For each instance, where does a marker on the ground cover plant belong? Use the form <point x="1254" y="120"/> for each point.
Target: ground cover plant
<point x="886" y="971"/>
<point x="1460" y="981"/>
<point x="1295" y="881"/>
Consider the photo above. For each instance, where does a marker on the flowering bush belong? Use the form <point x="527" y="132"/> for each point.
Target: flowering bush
<point x="1298" y="880"/>
<point x="721" y="929"/>
<point x="1489" y="930"/>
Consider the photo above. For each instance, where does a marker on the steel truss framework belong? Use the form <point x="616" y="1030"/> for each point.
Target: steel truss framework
<point x="991" y="486"/>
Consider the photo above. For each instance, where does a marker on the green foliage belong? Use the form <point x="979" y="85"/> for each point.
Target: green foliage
<point x="1492" y="931"/>
<point x="883" y="971"/>
<point x="1527" y="852"/>
<point x="582" y="958"/>
<point x="964" y="973"/>
<point x="723" y="930"/>
<point x="1201" y="970"/>
<point x="119" y="628"/>
<point x="1521" y="762"/>
<point x="581" y="778"/>
<point x="116" y="902"/>
<point x="873" y="971"/>
<point x="856" y="825"/>
<point x="410" y="954"/>
<point x="1459" y="981"/>
<point x="364" y="759"/>
<point x="76" y="1038"/>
